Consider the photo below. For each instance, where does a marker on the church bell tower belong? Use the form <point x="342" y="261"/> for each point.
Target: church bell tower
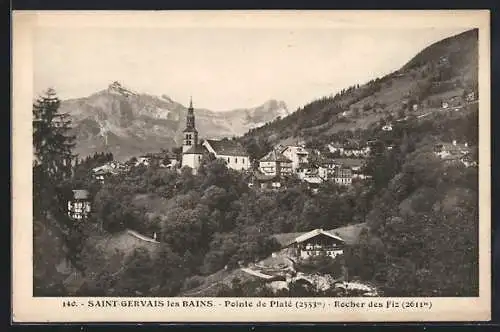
<point x="190" y="133"/>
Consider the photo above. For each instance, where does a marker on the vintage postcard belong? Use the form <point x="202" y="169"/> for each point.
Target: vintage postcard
<point x="251" y="166"/>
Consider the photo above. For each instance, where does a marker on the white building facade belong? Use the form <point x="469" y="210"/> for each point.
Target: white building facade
<point x="231" y="152"/>
<point x="297" y="154"/>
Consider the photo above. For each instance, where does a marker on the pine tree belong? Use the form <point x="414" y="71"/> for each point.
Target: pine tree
<point x="53" y="154"/>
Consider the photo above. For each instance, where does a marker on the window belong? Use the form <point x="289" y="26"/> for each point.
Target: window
<point x="235" y="160"/>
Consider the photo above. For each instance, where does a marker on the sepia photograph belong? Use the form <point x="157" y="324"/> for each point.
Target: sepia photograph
<point x="181" y="158"/>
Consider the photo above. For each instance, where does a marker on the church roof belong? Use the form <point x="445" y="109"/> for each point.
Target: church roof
<point x="195" y="149"/>
<point x="275" y="156"/>
<point x="227" y="148"/>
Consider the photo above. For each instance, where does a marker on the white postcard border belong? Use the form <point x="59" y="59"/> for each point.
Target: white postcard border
<point x="27" y="308"/>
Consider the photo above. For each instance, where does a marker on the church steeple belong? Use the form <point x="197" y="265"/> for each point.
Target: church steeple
<point x="190" y="133"/>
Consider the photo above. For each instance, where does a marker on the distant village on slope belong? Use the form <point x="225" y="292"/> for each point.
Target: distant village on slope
<point x="343" y="165"/>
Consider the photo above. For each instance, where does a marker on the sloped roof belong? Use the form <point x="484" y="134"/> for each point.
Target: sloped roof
<point x="264" y="177"/>
<point x="313" y="180"/>
<point x="298" y="149"/>
<point x="275" y="156"/>
<point x="350" y="234"/>
<point x="195" y="149"/>
<point x="315" y="233"/>
<point x="350" y="162"/>
<point x="227" y="147"/>
<point x="80" y="194"/>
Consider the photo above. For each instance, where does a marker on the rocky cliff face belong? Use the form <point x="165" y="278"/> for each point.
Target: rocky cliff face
<point x="127" y="123"/>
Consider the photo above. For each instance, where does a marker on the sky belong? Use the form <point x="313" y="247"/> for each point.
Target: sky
<point x="223" y="68"/>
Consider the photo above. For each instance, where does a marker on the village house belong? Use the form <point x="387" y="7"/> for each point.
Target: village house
<point x="79" y="206"/>
<point x="231" y="151"/>
<point x="274" y="163"/>
<point x="343" y="176"/>
<point x="349" y="149"/>
<point x="354" y="164"/>
<point x="451" y="102"/>
<point x="168" y="162"/>
<point x="354" y="150"/>
<point x="451" y="151"/>
<point x="101" y="173"/>
<point x="326" y="168"/>
<point x="266" y="181"/>
<point x="334" y="147"/>
<point x="143" y="160"/>
<point x="306" y="171"/>
<point x="470" y="97"/>
<point x="297" y="154"/>
<point x="315" y="243"/>
<point x="455" y="152"/>
<point x="468" y="161"/>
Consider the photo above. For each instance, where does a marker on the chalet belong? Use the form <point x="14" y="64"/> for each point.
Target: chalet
<point x="453" y="151"/>
<point x="101" y="173"/>
<point x="79" y="206"/>
<point x="315" y="243"/>
<point x="297" y="154"/>
<point x="143" y="160"/>
<point x="230" y="151"/>
<point x="274" y="163"/>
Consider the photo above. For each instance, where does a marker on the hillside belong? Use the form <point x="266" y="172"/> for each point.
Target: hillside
<point x="128" y="123"/>
<point x="438" y="73"/>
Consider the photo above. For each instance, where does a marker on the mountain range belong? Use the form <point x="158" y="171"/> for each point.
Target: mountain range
<point x="128" y="123"/>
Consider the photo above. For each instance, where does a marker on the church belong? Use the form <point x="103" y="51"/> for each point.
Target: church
<point x="230" y="151"/>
